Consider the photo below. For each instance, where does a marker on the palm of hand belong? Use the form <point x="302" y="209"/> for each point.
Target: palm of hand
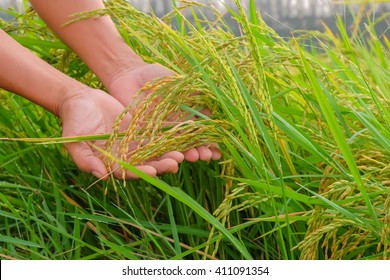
<point x="126" y="84"/>
<point x="92" y="113"/>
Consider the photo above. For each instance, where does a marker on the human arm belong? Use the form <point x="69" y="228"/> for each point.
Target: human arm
<point x="25" y="74"/>
<point x="96" y="40"/>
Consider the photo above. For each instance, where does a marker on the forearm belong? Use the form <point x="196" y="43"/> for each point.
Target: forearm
<point x="27" y="75"/>
<point x="96" y="41"/>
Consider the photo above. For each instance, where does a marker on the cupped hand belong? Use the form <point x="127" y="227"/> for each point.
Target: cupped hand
<point x="93" y="112"/>
<point x="128" y="82"/>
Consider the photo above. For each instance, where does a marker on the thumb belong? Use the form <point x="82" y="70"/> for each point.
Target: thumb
<point x="85" y="159"/>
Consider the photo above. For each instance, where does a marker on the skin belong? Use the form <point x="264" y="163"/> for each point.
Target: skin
<point x="83" y="110"/>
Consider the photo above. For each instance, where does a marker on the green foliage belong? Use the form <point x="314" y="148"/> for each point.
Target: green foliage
<point x="303" y="125"/>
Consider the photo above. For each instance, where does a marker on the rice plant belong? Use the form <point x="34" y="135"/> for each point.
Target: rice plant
<point x="303" y="125"/>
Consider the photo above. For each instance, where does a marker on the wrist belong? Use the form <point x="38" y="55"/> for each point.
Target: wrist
<point x="111" y="63"/>
<point x="70" y="97"/>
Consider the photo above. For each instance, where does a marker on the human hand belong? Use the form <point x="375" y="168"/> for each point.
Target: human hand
<point x="93" y="112"/>
<point x="101" y="47"/>
<point x="124" y="85"/>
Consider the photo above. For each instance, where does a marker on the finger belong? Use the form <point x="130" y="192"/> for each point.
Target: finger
<point x="174" y="155"/>
<point x="192" y="155"/>
<point x="121" y="173"/>
<point x="164" y="166"/>
<point x="217" y="155"/>
<point x="205" y="153"/>
<point x="206" y="111"/>
<point x="86" y="160"/>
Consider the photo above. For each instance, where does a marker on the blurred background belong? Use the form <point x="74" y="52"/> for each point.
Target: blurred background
<point x="282" y="15"/>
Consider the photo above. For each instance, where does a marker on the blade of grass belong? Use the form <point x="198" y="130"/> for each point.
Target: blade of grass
<point x="318" y="90"/>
